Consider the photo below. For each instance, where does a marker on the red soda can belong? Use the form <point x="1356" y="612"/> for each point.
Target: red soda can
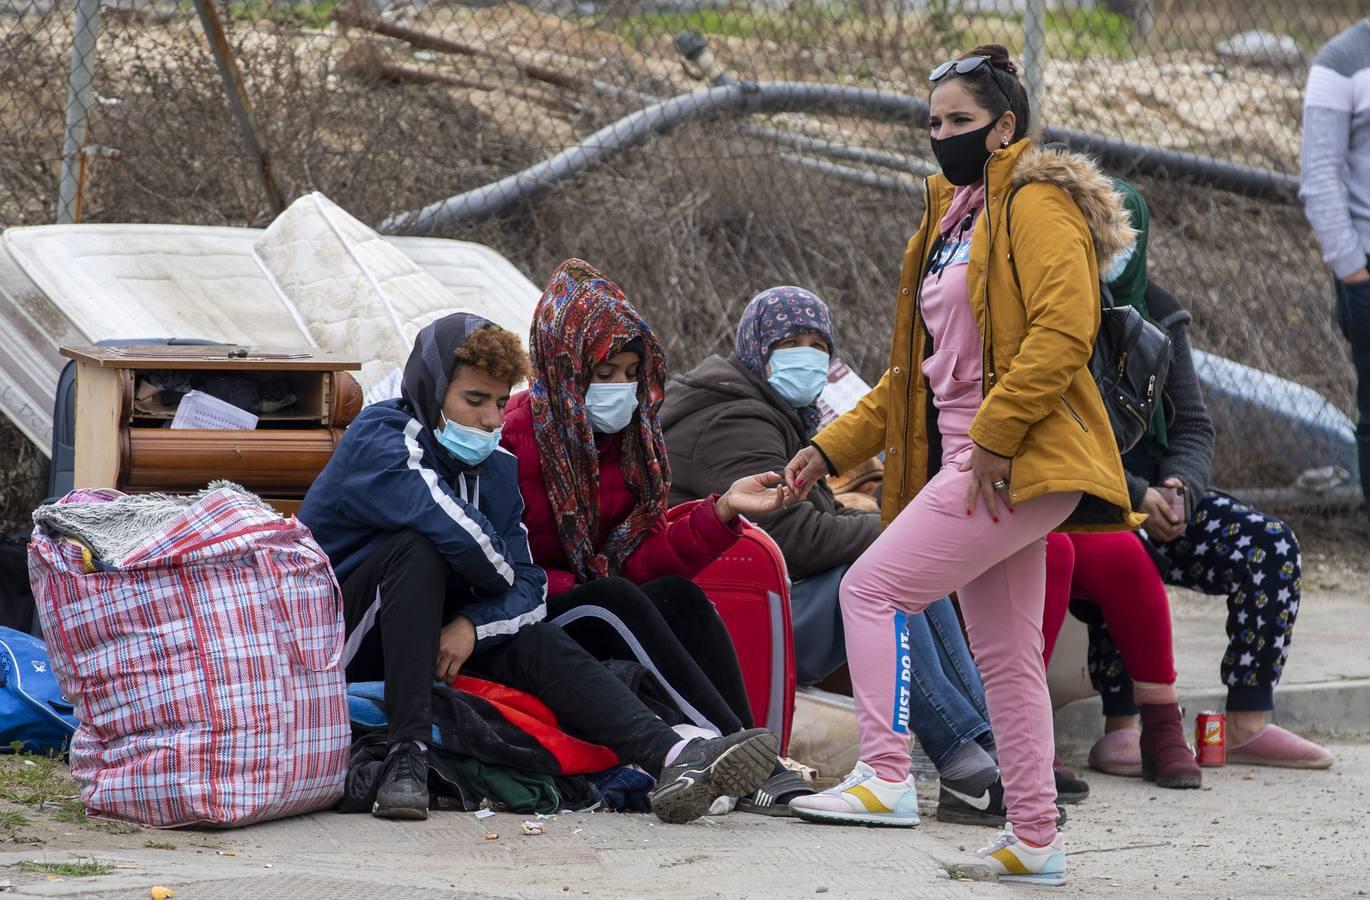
<point x="1210" y="738"/>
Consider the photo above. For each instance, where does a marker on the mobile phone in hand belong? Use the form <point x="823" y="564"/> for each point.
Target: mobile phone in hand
<point x="1174" y="497"/>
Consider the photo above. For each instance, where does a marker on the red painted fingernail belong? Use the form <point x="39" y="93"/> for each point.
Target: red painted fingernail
<point x="799" y="482"/>
<point x="1010" y="510"/>
<point x="968" y="512"/>
<point x="994" y="519"/>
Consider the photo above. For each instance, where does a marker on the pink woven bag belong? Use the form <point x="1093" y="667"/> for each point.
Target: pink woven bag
<point x="204" y="665"/>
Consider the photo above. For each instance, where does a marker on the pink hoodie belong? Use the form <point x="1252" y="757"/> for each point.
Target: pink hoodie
<point x="954" y="369"/>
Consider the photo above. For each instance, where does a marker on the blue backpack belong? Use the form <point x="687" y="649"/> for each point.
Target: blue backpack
<point x="33" y="711"/>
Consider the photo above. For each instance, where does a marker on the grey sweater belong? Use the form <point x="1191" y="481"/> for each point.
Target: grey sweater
<point x="1335" y="181"/>
<point x="1189" y="451"/>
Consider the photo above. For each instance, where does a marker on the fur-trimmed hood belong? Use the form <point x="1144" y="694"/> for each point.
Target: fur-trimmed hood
<point x="1093" y="192"/>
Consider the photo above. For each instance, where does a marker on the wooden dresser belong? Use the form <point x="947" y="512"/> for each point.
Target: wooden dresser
<point x="124" y="408"/>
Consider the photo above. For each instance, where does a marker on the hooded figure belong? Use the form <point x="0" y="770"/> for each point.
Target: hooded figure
<point x="431" y="364"/>
<point x="390" y="474"/>
<point x="582" y="320"/>
<point x="618" y="571"/>
<point x="596" y="503"/>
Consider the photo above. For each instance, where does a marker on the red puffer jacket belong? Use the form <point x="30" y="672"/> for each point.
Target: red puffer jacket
<point x="684" y="547"/>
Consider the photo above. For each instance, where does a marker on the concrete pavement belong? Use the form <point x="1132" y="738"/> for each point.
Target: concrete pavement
<point x="1249" y="833"/>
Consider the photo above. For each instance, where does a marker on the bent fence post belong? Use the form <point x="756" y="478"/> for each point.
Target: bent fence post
<point x="237" y="98"/>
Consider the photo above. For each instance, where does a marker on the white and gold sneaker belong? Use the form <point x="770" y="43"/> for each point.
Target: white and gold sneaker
<point x="1014" y="859"/>
<point x="863" y="798"/>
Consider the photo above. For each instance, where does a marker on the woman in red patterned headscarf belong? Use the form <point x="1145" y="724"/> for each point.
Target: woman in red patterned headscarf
<point x="595" y="480"/>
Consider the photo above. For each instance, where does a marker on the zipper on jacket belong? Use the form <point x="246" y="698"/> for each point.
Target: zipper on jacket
<point x="1074" y="415"/>
<point x="990" y="376"/>
<point x="918" y="317"/>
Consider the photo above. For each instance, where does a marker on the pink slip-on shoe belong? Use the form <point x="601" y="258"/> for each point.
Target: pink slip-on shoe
<point x="1118" y="753"/>
<point x="1274" y="746"/>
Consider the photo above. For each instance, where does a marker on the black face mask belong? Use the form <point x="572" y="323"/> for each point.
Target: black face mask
<point x="963" y="156"/>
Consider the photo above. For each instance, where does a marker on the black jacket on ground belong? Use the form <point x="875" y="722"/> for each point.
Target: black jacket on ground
<point x="722" y="423"/>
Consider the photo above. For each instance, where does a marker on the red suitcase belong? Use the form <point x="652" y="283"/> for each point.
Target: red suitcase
<point x="750" y="587"/>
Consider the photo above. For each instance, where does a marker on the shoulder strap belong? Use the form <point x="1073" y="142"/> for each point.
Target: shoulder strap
<point x="1008" y="233"/>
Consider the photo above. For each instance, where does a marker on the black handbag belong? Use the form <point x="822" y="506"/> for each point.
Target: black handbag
<point x="1130" y="363"/>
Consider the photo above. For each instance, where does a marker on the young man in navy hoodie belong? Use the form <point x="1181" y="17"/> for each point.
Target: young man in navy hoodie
<point x="420" y="514"/>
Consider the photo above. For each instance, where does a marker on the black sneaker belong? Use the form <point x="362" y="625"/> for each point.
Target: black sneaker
<point x="1070" y="788"/>
<point x="986" y="808"/>
<point x="705" y="770"/>
<point x="403" y="793"/>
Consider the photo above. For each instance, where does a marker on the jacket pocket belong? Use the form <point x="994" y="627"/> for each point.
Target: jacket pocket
<point x="1074" y="415"/>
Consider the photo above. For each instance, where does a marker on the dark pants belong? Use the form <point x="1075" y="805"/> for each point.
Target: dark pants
<point x="670" y="627"/>
<point x="395" y="605"/>
<point x="1228" y="548"/>
<point x="1353" y="316"/>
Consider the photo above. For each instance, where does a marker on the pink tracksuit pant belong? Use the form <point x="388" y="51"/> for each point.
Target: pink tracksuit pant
<point x="999" y="574"/>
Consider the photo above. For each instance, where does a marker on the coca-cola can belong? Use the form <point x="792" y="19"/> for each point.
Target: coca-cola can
<point x="1210" y="738"/>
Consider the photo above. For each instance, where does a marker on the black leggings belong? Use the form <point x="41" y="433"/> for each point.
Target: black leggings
<point x="670" y="627"/>
<point x="395" y="605"/>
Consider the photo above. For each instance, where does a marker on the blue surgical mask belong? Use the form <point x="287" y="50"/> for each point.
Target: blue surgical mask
<point x="470" y="445"/>
<point x="799" y="374"/>
<point x="610" y="407"/>
<point x="1115" y="268"/>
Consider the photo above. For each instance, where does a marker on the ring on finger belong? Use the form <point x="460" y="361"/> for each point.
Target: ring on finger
<point x="1000" y="485"/>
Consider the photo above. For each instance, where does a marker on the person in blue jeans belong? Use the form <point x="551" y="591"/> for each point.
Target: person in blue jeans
<point x="752" y="412"/>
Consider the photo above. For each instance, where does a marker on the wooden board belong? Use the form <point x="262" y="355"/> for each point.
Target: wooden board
<point x="99" y="410"/>
<point x="184" y="356"/>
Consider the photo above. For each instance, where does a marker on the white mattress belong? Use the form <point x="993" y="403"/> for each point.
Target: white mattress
<point x="101" y="282"/>
<point x="137" y="281"/>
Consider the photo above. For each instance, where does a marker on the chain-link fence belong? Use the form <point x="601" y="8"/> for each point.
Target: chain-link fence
<point x="178" y="111"/>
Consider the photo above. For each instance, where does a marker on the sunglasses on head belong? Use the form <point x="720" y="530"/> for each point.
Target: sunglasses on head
<point x="960" y="66"/>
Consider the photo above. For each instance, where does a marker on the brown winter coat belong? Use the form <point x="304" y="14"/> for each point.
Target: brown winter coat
<point x="723" y="423"/>
<point x="1041" y="407"/>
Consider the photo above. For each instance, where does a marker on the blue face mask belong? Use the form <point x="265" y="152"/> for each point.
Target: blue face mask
<point x="470" y="445"/>
<point x="799" y="374"/>
<point x="1115" y="269"/>
<point x="610" y="407"/>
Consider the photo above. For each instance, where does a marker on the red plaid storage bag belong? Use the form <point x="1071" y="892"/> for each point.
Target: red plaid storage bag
<point x="199" y="640"/>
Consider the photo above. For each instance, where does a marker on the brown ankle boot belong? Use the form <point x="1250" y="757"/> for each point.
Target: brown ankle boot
<point x="1166" y="757"/>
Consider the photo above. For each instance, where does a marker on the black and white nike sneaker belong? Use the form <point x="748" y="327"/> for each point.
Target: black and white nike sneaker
<point x="732" y="766"/>
<point x="986" y="808"/>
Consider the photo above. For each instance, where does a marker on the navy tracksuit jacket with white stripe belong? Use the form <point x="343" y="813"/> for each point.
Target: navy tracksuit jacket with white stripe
<point x="389" y="474"/>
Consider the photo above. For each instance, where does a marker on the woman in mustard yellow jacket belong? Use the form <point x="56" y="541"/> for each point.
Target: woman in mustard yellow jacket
<point x="994" y="435"/>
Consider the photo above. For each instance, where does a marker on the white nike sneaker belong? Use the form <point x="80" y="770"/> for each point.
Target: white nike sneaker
<point x="1013" y="859"/>
<point x="862" y="798"/>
